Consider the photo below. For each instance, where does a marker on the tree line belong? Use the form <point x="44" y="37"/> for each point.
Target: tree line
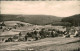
<point x="72" y="20"/>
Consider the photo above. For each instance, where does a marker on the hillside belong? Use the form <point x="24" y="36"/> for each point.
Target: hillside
<point x="74" y="20"/>
<point x="33" y="19"/>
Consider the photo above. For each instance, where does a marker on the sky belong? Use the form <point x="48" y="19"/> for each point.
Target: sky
<point x="55" y="8"/>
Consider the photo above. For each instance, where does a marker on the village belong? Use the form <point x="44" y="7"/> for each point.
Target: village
<point x="15" y="31"/>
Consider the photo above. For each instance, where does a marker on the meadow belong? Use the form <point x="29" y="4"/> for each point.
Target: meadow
<point x="47" y="44"/>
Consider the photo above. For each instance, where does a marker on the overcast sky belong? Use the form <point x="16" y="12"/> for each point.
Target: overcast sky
<point x="56" y="8"/>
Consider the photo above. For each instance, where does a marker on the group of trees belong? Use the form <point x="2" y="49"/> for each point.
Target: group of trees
<point x="68" y="21"/>
<point x="33" y="19"/>
<point x="72" y="20"/>
<point x="42" y="34"/>
<point x="43" y="19"/>
<point x="36" y="35"/>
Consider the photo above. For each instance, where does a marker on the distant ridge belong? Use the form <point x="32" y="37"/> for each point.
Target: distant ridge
<point x="33" y="19"/>
<point x="74" y="20"/>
